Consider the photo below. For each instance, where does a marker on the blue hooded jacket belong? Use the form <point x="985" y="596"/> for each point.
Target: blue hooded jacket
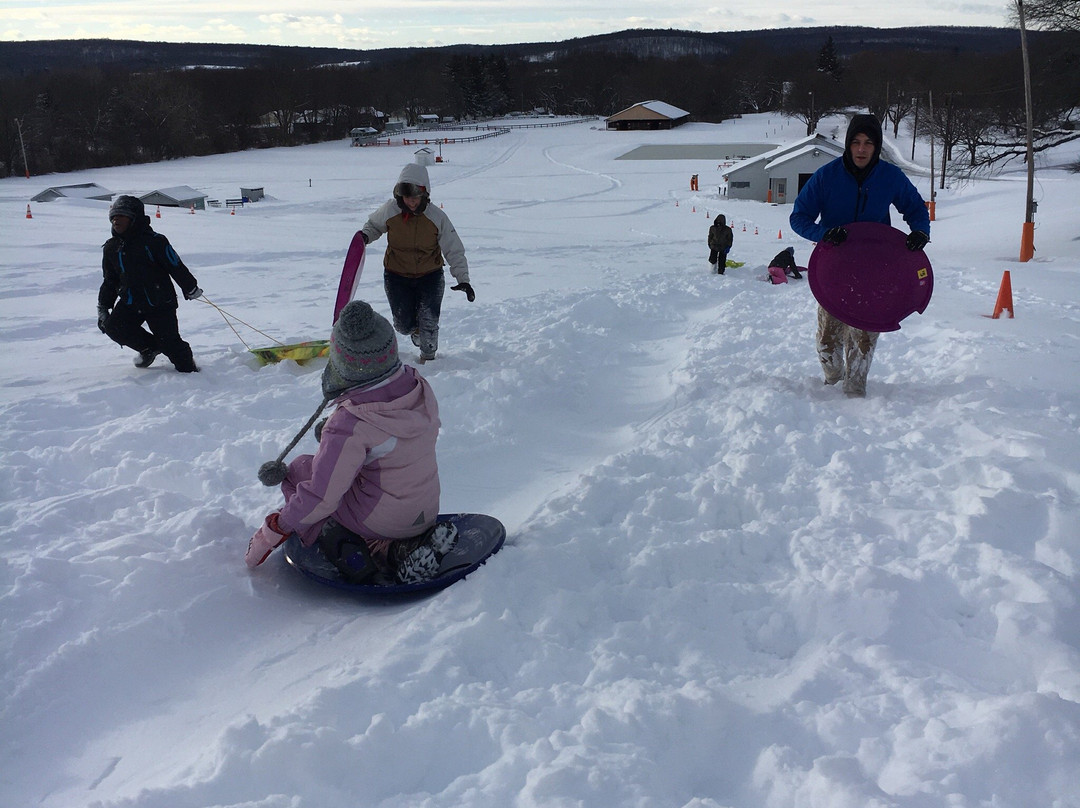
<point x="838" y="193"/>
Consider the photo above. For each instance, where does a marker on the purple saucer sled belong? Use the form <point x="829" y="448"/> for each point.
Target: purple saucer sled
<point x="872" y="281"/>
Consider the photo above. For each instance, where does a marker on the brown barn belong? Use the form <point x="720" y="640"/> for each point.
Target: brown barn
<point x="648" y="115"/>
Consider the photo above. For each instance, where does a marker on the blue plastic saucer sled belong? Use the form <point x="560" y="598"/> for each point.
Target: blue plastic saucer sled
<point x="479" y="537"/>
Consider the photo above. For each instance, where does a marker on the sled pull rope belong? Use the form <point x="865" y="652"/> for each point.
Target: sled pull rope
<point x="226" y="315"/>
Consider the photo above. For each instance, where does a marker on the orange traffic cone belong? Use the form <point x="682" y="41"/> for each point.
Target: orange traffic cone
<point x="1004" y="298"/>
<point x="28" y="214"/>
<point x="744" y="227"/>
<point x="755" y="230"/>
<point x="157" y="215"/>
<point x="232" y="211"/>
<point x="693" y="208"/>
<point x="192" y="210"/>
<point x="779" y="234"/>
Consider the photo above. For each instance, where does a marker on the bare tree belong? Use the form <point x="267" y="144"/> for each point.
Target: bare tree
<point x="1048" y="15"/>
<point x="899" y="106"/>
<point x="812" y="99"/>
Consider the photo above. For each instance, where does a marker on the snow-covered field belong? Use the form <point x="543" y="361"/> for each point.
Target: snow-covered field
<point x="725" y="585"/>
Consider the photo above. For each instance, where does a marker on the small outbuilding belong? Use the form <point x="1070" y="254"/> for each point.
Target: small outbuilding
<point x="363" y="135"/>
<point x="180" y="196"/>
<point x="648" y="115"/>
<point x="778" y="175"/>
<point x="86" y="190"/>
<point x="252" y="194"/>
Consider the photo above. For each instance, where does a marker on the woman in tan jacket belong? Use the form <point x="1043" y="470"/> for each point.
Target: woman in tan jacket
<point x="420" y="238"/>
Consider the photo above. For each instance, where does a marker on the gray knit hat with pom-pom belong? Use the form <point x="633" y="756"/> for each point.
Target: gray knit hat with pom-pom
<point x="363" y="352"/>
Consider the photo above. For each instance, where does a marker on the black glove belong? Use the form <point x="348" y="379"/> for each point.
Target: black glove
<point x="836" y="235"/>
<point x="467" y="289"/>
<point x="917" y="240"/>
<point x="102" y="317"/>
<point x="194" y="293"/>
<point x="363" y="235"/>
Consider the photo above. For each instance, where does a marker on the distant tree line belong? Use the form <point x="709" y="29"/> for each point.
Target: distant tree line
<point x="110" y="115"/>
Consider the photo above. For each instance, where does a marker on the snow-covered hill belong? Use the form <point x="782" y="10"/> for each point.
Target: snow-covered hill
<point x="725" y="585"/>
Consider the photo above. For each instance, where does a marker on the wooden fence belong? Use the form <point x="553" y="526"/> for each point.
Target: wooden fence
<point x="429" y="137"/>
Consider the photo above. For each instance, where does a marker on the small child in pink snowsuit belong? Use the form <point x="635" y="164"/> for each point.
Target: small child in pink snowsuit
<point x="374" y="481"/>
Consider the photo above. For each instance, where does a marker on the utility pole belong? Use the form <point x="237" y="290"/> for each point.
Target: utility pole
<point x="933" y="192"/>
<point x="915" y="130"/>
<point x="22" y="146"/>
<point x="1027" y="237"/>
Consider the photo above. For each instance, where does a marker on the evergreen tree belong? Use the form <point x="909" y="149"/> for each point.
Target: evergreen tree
<point x="829" y="61"/>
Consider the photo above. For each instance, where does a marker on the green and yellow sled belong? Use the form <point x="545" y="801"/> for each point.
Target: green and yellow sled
<point x="299" y="352"/>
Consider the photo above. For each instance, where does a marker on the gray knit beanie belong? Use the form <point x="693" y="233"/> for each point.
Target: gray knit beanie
<point x="363" y="350"/>
<point x="130" y="206"/>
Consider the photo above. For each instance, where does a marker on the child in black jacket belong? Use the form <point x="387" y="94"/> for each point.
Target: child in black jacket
<point x="786" y="261"/>
<point x="720" y="241"/>
<point x="138" y="267"/>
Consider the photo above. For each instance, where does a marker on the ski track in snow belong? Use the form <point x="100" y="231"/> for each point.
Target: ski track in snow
<point x="725" y="584"/>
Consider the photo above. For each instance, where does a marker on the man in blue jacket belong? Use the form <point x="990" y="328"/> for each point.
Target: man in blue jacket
<point x="856" y="187"/>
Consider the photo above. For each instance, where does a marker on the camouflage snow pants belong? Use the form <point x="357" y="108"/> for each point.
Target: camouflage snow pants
<point x="845" y="353"/>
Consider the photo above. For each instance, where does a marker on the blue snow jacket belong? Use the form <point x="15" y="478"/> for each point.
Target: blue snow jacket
<point x="833" y="197"/>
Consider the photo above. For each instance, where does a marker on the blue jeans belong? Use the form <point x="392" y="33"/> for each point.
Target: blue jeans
<point x="416" y="304"/>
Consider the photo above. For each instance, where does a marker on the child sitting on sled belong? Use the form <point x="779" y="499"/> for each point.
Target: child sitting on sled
<point x="370" y="494"/>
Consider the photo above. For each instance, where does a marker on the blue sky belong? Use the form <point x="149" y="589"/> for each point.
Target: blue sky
<point x="404" y="23"/>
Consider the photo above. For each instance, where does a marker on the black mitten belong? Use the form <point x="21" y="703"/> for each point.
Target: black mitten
<point x="917" y="240"/>
<point x="837" y="235"/>
<point x="467" y="289"/>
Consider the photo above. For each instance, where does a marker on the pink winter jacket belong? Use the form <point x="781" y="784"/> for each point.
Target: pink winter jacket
<point x="375" y="470"/>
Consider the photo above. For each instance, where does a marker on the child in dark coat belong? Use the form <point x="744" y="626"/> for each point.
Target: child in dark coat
<point x="785" y="260"/>
<point x="720" y="241"/>
<point x="138" y="269"/>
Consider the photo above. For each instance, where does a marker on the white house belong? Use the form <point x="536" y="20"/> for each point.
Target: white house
<point x="779" y="175"/>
